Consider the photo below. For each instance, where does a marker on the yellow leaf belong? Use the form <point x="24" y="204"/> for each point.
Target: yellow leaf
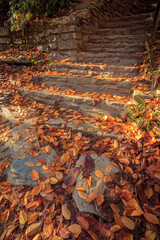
<point x="115" y="228"/>
<point x="75" y="229"/>
<point x="83" y="195"/>
<point x="108" y="168"/>
<point x="89" y="181"/>
<point x="33" y="229"/>
<point x="66" y="212"/>
<point x="128" y="223"/>
<point x="150" y="235"/>
<point x="37" y="237"/>
<point x="53" y="180"/>
<point x="23" y="217"/>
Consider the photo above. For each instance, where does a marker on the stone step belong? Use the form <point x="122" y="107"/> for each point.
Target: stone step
<point x="103" y="71"/>
<point x="134" y="30"/>
<point x="76" y="102"/>
<point x="114" y="48"/>
<point x="86" y="84"/>
<point x="109" y="58"/>
<point x="117" y="38"/>
<point x="119" y="23"/>
<point x="131" y="18"/>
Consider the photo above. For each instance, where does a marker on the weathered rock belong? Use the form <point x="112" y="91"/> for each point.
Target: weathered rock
<point x="98" y="186"/>
<point x="20" y="174"/>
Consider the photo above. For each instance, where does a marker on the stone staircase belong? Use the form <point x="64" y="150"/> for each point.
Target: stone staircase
<point x="101" y="80"/>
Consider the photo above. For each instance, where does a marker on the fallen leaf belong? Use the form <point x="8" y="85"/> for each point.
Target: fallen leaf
<point x="108" y="168"/>
<point x="33" y="229"/>
<point x="66" y="212"/>
<point x="75" y="229"/>
<point x="99" y="174"/>
<point x="89" y="181"/>
<point x="47" y="230"/>
<point x="34" y="175"/>
<point x="93" y="235"/>
<point x="33" y="217"/>
<point x="100" y="199"/>
<point x="128" y="223"/>
<point x="23" y="217"/>
<point x="83" y="223"/>
<point x="91" y="197"/>
<point x="37" y="237"/>
<point x="35" y="191"/>
<point x="151" y="218"/>
<point x="115" y="228"/>
<point x="150" y="235"/>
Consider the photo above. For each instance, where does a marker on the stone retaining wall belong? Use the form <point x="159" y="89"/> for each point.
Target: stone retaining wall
<point x="62" y="37"/>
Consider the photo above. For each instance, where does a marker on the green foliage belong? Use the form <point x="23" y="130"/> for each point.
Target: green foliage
<point x="146" y="114"/>
<point x="21" y="12"/>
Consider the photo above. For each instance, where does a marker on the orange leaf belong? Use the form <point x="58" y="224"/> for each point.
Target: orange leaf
<point x="33" y="217"/>
<point x="108" y="168"/>
<point x="75" y="229"/>
<point x="48" y="149"/>
<point x="89" y="181"/>
<point x="35" y="191"/>
<point x="114" y="208"/>
<point x="34" y="175"/>
<point x="5" y="215"/>
<point x="32" y="205"/>
<point x="93" y="235"/>
<point x="83" y="223"/>
<point x="91" y="197"/>
<point x="99" y="174"/>
<point x="124" y="161"/>
<point x="100" y="199"/>
<point x="47" y="230"/>
<point x="33" y="229"/>
<point x="151" y="218"/>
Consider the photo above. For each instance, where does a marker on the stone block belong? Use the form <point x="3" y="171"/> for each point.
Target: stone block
<point x="68" y="44"/>
<point x="4" y="31"/>
<point x="5" y="40"/>
<point x="66" y="36"/>
<point x="51" y="38"/>
<point x="53" y="46"/>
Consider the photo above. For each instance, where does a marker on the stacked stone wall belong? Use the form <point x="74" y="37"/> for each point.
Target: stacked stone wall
<point x="61" y="37"/>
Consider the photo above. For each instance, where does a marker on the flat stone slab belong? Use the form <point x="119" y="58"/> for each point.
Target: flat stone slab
<point x="76" y="102"/>
<point x="20" y="174"/>
<point x="98" y="186"/>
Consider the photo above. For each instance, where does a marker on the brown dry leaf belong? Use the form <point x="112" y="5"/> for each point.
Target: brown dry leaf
<point x="115" y="228"/>
<point x="150" y="235"/>
<point x="82" y="195"/>
<point x="51" y="209"/>
<point x="129" y="170"/>
<point x="32" y="205"/>
<point x="83" y="223"/>
<point x="23" y="217"/>
<point x="33" y="217"/>
<point x="148" y="192"/>
<point x="53" y="180"/>
<point x="124" y="161"/>
<point x="99" y="174"/>
<point x="66" y="212"/>
<point x="29" y="164"/>
<point x="100" y="199"/>
<point x="93" y="235"/>
<point x="59" y="175"/>
<point x="48" y="149"/>
<point x="105" y="233"/>
<point x="75" y="229"/>
<point x="65" y="157"/>
<point x="37" y="237"/>
<point x="56" y="238"/>
<point x="108" y="168"/>
<point x="91" y="197"/>
<point x="33" y="229"/>
<point x="128" y="223"/>
<point x="35" y="191"/>
<point x="151" y="218"/>
<point x="114" y="208"/>
<point x="47" y="230"/>
<point x="34" y="175"/>
<point x="89" y="181"/>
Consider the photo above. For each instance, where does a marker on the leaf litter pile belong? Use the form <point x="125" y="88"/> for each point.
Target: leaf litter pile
<point x="131" y="210"/>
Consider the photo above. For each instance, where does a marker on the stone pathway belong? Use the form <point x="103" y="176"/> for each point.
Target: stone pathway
<point x="108" y="64"/>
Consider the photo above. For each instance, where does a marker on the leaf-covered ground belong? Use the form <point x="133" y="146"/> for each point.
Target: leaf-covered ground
<point x="132" y="209"/>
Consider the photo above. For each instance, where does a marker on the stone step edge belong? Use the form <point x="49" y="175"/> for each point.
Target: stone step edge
<point x="81" y="104"/>
<point x="143" y="15"/>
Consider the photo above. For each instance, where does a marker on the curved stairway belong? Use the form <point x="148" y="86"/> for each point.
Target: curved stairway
<point x="102" y="79"/>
